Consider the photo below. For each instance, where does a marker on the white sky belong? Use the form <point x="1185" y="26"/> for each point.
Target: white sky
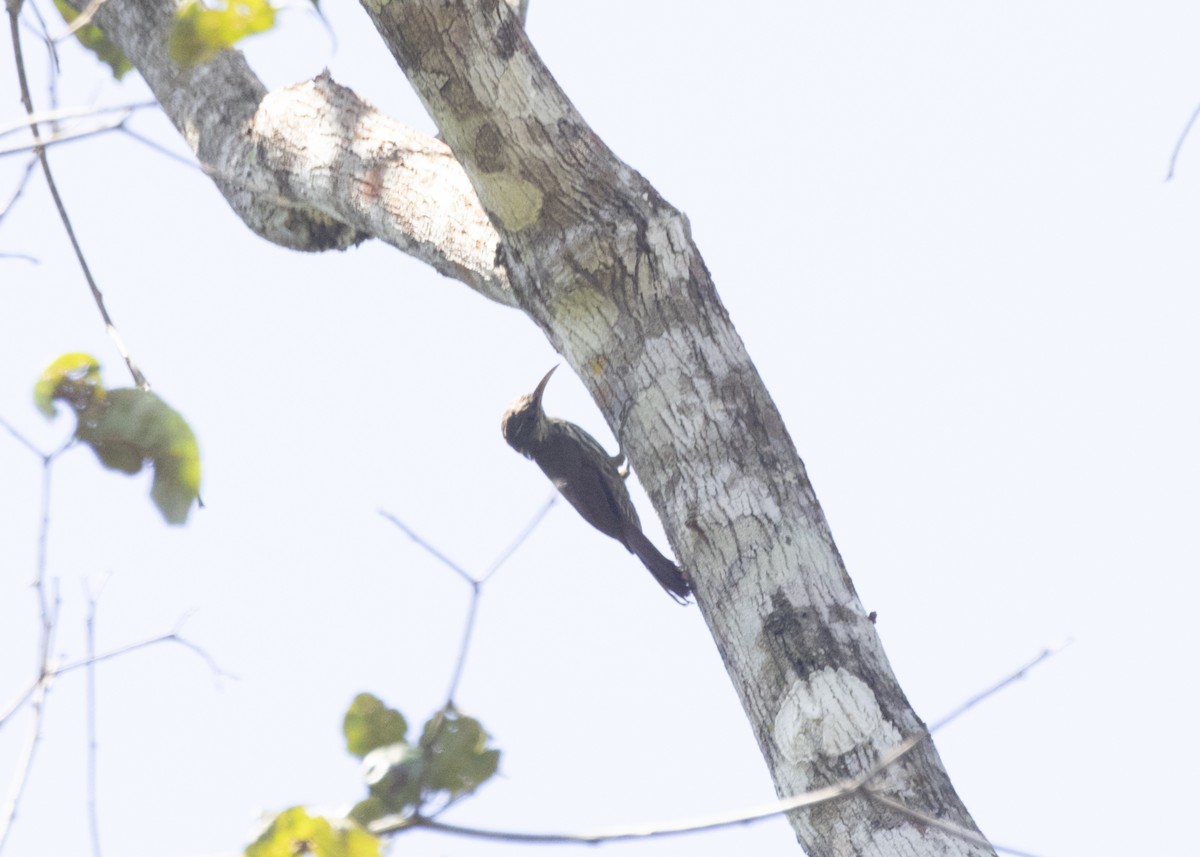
<point x="942" y="230"/>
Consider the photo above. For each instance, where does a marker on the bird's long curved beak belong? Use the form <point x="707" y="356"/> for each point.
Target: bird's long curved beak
<point x="541" y="387"/>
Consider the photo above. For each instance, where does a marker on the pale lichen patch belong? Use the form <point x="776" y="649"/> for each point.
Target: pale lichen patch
<point x="587" y="308"/>
<point x="515" y="201"/>
<point x="828" y="714"/>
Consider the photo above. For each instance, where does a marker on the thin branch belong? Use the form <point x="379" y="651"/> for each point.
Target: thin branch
<point x="475" y="584"/>
<point x="521" y="537"/>
<point x="118" y="123"/>
<point x="42" y="31"/>
<point x="649" y="831"/>
<point x="21" y="774"/>
<point x="103" y="127"/>
<point x="52" y="116"/>
<point x="853" y="786"/>
<point x="47" y="616"/>
<point x="437" y="554"/>
<point x="856" y="785"/>
<point x="30" y="166"/>
<point x="163" y="150"/>
<point x="25" y="764"/>
<point x="93" y="817"/>
<point x="947" y="826"/>
<point x="1187" y="129"/>
<point x="40" y="571"/>
<point x="944" y="826"/>
<point x="18" y="702"/>
<point x="465" y="645"/>
<point x="1048" y="652"/>
<point x="477" y="593"/>
<point x="24" y="441"/>
<point x="169" y="637"/>
<point x="27" y="100"/>
<point x="93" y="659"/>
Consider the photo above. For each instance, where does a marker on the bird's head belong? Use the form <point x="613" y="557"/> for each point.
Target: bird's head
<point x="524" y="423"/>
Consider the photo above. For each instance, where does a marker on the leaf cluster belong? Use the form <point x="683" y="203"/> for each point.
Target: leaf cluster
<point x="294" y="832"/>
<point x="199" y="32"/>
<point x="451" y="759"/>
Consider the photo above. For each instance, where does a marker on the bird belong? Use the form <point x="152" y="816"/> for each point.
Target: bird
<point x="591" y="480"/>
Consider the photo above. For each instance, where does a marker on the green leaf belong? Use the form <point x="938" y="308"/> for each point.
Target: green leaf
<point x="368" y="810"/>
<point x="91" y="37"/>
<point x="199" y="33"/>
<point x="73" y="377"/>
<point x="452" y="757"/>
<point x="396" y="777"/>
<point x="126" y="428"/>
<point x="459" y="759"/>
<point x="294" y="832"/>
<point x="369" y="724"/>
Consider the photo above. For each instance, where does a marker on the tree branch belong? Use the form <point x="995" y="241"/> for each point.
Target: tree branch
<point x="40" y="151"/>
<point x="313" y="167"/>
<point x="475" y="583"/>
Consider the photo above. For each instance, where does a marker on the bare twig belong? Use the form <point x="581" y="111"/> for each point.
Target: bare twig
<point x="437" y="554"/>
<point x="465" y="645"/>
<point x="25" y="763"/>
<point x="955" y="829"/>
<point x="52" y="116"/>
<point x="945" y="826"/>
<point x="93" y="817"/>
<point x="190" y="163"/>
<point x="521" y="537"/>
<point x="40" y="573"/>
<point x="43" y="33"/>
<point x="30" y="166"/>
<point x="476" y="584"/>
<point x="93" y="659"/>
<point x="656" y="830"/>
<point x="1187" y="129"/>
<point x="24" y="441"/>
<point x="116" y="123"/>
<point x="48" y="609"/>
<point x="18" y="702"/>
<point x="469" y="624"/>
<point x="1048" y="652"/>
<point x="169" y="637"/>
<point x="847" y="788"/>
<point x="41" y="689"/>
<point x="102" y="127"/>
<point x="27" y="100"/>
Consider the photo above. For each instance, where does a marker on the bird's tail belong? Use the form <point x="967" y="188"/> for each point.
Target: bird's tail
<point x="668" y="575"/>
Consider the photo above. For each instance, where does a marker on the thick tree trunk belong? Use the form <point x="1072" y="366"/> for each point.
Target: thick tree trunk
<point x="608" y="270"/>
<point x="547" y="218"/>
